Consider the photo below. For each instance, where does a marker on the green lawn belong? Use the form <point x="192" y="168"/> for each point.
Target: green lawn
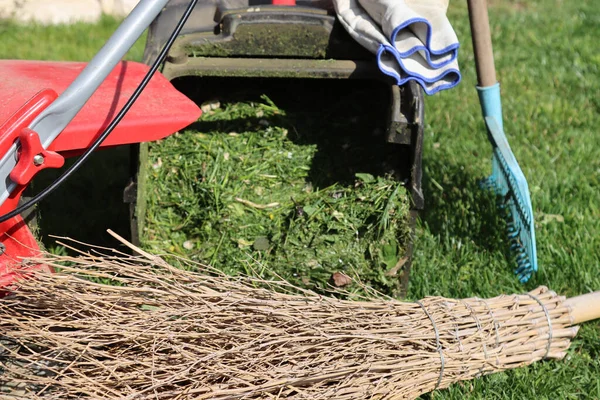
<point x="548" y="63"/>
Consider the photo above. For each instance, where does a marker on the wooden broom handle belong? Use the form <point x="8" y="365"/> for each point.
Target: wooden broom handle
<point x="482" y="43"/>
<point x="585" y="307"/>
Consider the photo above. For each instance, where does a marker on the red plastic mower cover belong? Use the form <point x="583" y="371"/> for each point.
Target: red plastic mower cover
<point x="159" y="111"/>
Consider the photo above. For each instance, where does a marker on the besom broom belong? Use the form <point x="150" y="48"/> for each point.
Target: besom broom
<point x="154" y="331"/>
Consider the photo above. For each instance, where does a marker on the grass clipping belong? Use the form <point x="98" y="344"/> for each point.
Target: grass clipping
<point x="251" y="183"/>
<point x="153" y="331"/>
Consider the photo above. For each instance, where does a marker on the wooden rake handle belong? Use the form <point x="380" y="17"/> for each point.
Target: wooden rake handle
<point x="585" y="307"/>
<point x="482" y="43"/>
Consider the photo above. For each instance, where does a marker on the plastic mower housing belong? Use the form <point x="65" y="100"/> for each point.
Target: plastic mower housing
<point x="234" y="46"/>
<point x="29" y="87"/>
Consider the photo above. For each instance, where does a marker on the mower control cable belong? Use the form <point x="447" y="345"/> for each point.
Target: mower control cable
<point x="86" y="155"/>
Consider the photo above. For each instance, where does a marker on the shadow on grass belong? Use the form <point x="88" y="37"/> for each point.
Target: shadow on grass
<point x="87" y="204"/>
<point x="458" y="208"/>
<point x="345" y="119"/>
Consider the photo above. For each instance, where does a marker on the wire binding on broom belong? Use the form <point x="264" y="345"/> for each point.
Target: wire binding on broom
<point x="549" y="323"/>
<point x="437" y="345"/>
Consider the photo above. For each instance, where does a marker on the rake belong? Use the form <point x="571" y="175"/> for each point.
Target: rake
<point x="507" y="179"/>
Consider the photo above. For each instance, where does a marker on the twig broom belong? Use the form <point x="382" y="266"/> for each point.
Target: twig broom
<point x="160" y="332"/>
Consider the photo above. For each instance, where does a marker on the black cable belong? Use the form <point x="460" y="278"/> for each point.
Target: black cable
<point x="73" y="168"/>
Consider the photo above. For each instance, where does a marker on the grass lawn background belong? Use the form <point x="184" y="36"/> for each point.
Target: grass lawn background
<point x="548" y="62"/>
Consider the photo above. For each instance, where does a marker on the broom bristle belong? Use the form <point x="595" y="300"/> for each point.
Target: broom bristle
<point x="160" y="332"/>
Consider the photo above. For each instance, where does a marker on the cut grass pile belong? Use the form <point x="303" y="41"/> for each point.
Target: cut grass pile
<point x="238" y="197"/>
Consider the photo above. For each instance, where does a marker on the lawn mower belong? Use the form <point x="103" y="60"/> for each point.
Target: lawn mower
<point x="203" y="50"/>
<point x="42" y="127"/>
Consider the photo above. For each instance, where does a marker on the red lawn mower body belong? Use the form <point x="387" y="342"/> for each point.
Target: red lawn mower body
<point x="28" y="87"/>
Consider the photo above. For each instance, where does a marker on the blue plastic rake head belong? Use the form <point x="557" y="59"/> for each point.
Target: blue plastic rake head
<point x="508" y="181"/>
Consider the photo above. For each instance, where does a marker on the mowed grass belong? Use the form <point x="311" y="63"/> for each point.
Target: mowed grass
<point x="548" y="63"/>
<point x="245" y="190"/>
